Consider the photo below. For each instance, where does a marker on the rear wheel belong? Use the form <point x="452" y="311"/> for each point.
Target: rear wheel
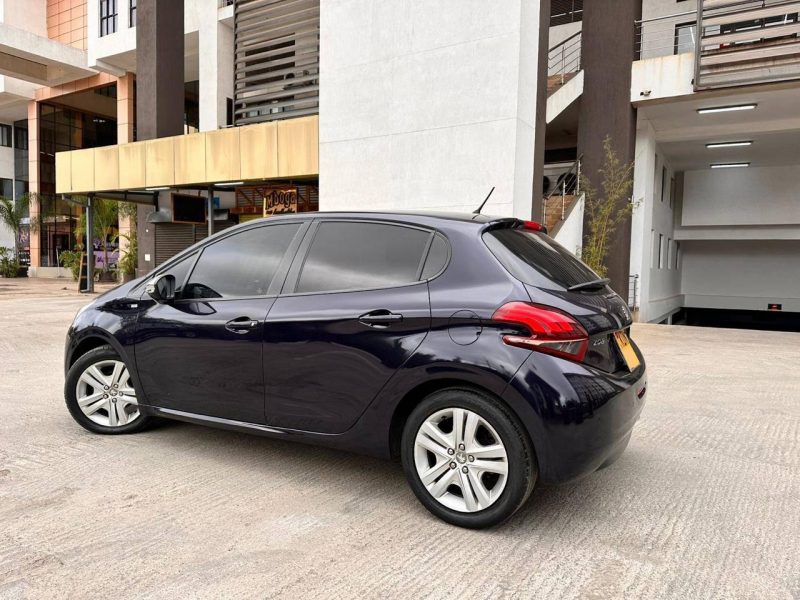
<point x="467" y="459"/>
<point x="100" y="395"/>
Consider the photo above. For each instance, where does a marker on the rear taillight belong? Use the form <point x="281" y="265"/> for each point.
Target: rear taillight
<point x="533" y="226"/>
<point x="550" y="330"/>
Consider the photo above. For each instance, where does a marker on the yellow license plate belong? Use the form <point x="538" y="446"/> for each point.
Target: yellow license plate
<point x="628" y="353"/>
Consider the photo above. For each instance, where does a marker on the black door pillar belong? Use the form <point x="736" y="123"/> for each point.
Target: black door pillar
<point x="607" y="52"/>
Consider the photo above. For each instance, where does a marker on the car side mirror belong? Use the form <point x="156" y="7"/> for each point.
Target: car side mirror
<point x="162" y="289"/>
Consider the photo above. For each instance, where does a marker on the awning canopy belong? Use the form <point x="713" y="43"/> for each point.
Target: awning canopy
<point x="278" y="149"/>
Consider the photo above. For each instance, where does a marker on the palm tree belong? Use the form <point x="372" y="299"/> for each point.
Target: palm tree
<point x="11" y="215"/>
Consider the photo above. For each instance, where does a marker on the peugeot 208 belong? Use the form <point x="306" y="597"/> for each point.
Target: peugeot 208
<point x="475" y="349"/>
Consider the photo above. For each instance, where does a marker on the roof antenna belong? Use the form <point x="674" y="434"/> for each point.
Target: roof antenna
<point x="478" y="210"/>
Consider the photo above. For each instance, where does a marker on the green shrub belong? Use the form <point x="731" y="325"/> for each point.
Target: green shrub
<point x="72" y="261"/>
<point x="9" y="265"/>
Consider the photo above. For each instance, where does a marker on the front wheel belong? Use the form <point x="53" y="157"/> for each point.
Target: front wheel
<point x="100" y="395"/>
<point x="467" y="459"/>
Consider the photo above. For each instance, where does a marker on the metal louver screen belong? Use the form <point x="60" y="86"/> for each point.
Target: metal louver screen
<point x="276" y="59"/>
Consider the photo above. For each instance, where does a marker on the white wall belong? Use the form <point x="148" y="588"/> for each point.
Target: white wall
<point x="741" y="274"/>
<point x="30" y="15"/>
<point x="427" y="105"/>
<point x="752" y="196"/>
<point x="561" y="32"/>
<point x="570" y="234"/>
<point x="662" y="77"/>
<point x="653" y="216"/>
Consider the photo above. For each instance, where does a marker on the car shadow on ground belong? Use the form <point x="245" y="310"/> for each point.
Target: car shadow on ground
<point x="332" y="467"/>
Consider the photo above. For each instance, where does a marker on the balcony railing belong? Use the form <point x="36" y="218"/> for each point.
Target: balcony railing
<point x="747" y="41"/>
<point x="666" y="35"/>
<point x="735" y="42"/>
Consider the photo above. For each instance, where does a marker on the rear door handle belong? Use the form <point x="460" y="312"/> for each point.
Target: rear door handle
<point x="241" y="325"/>
<point x="380" y="318"/>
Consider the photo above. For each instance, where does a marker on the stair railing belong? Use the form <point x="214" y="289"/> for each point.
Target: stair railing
<point x="569" y="184"/>
<point x="565" y="57"/>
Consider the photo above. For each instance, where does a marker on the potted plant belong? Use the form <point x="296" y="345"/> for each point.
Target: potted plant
<point x="127" y="263"/>
<point x="71" y="259"/>
<point x="8" y="263"/>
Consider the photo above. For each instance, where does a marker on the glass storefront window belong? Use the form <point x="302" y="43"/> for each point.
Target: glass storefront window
<point x="60" y="129"/>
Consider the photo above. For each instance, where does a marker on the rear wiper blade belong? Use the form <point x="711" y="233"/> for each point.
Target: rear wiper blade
<point x="587" y="285"/>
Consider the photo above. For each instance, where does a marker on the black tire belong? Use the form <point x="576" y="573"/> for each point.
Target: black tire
<point x="102" y="353"/>
<point x="522" y="466"/>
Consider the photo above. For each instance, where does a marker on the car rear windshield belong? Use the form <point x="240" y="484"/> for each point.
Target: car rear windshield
<point x="537" y="259"/>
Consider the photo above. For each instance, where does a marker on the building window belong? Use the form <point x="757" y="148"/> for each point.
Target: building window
<point x="132" y="14"/>
<point x="660" y="251"/>
<point x="6" y="188"/>
<point x="20" y="138"/>
<point x="108" y="17"/>
<point x="685" y="37"/>
<point x="5" y="136"/>
<point x="677" y="253"/>
<point x="663" y="182"/>
<point x="565" y="11"/>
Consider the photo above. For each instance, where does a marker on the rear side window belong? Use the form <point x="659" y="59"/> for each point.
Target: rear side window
<point x="537" y="259"/>
<point x="241" y="265"/>
<point x="353" y="256"/>
<point x="437" y="257"/>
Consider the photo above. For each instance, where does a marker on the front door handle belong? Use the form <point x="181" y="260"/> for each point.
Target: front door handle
<point x="241" y="325"/>
<point x="380" y="318"/>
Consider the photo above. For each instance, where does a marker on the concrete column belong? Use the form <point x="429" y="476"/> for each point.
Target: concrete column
<point x="642" y="219"/>
<point x="607" y="53"/>
<point x="33" y="179"/>
<point x="216" y="69"/>
<point x="159" y="92"/>
<point x="125" y="122"/>
<point x="159" y="69"/>
<point x="540" y="123"/>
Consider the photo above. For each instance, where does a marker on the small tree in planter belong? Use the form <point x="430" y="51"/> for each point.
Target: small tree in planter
<point x="129" y="260"/>
<point x="606" y="210"/>
<point x="127" y="264"/>
<point x="104" y="220"/>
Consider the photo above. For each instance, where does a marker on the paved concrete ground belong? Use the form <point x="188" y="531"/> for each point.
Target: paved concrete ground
<point x="705" y="503"/>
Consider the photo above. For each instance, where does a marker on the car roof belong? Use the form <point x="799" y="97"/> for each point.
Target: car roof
<point x="410" y="216"/>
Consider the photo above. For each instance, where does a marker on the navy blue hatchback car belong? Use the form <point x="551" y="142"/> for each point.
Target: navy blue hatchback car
<point x="475" y="349"/>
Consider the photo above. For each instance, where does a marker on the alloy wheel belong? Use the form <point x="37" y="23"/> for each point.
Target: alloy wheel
<point x="105" y="394"/>
<point x="461" y="460"/>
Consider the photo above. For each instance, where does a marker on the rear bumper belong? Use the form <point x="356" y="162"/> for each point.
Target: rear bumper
<point x="579" y="418"/>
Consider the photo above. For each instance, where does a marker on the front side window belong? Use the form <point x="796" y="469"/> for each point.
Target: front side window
<point x="353" y="256"/>
<point x="180" y="270"/>
<point x="108" y="17"/>
<point x="242" y="265"/>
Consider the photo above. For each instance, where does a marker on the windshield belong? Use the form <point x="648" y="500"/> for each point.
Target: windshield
<point x="537" y="259"/>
